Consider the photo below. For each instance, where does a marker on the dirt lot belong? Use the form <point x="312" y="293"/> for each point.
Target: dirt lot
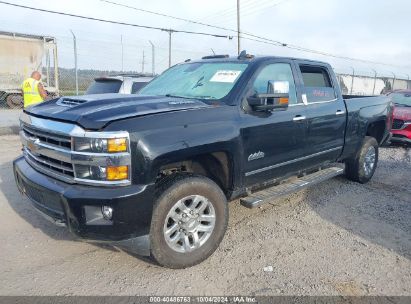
<point x="336" y="238"/>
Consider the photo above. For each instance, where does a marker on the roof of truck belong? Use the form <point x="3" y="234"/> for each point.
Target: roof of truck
<point x="122" y="77"/>
<point x="251" y="58"/>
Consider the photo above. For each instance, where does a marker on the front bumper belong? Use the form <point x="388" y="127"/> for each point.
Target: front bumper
<point x="401" y="136"/>
<point x="64" y="204"/>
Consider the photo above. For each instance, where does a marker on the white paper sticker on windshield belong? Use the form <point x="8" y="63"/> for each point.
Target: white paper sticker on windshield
<point x="225" y="76"/>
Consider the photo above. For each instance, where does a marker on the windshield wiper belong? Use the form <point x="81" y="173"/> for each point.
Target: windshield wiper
<point x="191" y="97"/>
<point x="199" y="83"/>
<point x="177" y="96"/>
<point x="206" y="97"/>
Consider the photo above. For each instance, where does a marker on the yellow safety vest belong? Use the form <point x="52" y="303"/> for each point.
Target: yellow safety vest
<point x="30" y="88"/>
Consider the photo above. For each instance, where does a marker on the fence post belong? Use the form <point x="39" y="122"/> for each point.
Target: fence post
<point x="352" y="81"/>
<point x="75" y="60"/>
<point x="408" y="81"/>
<point x="393" y="81"/>
<point x="375" y="81"/>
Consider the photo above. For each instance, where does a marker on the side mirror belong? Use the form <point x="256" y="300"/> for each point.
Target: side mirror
<point x="276" y="98"/>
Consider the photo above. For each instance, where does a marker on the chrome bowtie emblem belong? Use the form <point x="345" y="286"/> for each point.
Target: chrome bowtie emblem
<point x="256" y="155"/>
<point x="33" y="145"/>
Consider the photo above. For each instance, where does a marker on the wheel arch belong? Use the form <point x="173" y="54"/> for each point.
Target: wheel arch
<point x="217" y="166"/>
<point x="376" y="129"/>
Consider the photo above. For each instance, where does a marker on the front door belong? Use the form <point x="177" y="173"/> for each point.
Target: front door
<point x="273" y="142"/>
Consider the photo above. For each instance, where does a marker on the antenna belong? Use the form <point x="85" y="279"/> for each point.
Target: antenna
<point x="242" y="55"/>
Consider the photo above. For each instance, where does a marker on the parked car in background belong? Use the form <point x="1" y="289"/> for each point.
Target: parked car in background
<point x="123" y="84"/>
<point x="401" y="126"/>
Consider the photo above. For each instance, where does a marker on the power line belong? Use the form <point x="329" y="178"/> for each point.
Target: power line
<point x="112" y="21"/>
<point x="302" y="49"/>
<point x="169" y="31"/>
<point x="257" y="38"/>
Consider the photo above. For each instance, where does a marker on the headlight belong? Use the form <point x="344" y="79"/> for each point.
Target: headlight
<point x="117" y="145"/>
<point x="100" y="145"/>
<point x="98" y="173"/>
<point x="102" y="158"/>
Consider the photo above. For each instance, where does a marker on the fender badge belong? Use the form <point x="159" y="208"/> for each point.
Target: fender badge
<point x="256" y="156"/>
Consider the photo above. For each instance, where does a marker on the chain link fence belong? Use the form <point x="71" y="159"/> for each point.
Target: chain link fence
<point x="139" y="59"/>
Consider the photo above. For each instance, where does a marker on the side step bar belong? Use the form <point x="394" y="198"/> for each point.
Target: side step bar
<point x="258" y="198"/>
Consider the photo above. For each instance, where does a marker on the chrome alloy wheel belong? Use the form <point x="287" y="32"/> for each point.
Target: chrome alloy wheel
<point x="189" y="223"/>
<point x="369" y="161"/>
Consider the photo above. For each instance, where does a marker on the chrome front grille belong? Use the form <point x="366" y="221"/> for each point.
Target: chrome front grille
<point x="47" y="137"/>
<point x="39" y="151"/>
<point x="56" y="165"/>
<point x="48" y="147"/>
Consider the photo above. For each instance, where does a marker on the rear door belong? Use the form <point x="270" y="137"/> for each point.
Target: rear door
<point x="325" y="113"/>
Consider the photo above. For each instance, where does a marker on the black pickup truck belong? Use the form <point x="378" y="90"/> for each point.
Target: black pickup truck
<point x="152" y="173"/>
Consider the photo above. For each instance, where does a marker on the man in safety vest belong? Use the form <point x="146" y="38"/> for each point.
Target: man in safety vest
<point x="33" y="90"/>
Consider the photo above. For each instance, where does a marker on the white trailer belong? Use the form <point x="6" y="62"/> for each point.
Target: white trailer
<point x="20" y="55"/>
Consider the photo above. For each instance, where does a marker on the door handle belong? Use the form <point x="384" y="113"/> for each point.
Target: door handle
<point x="299" y="118"/>
<point x="339" y="112"/>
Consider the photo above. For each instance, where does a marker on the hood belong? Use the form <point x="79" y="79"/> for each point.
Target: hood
<point x="402" y="113"/>
<point x="96" y="111"/>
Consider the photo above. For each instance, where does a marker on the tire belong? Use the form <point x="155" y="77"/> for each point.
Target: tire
<point x="14" y="101"/>
<point x="361" y="168"/>
<point x="189" y="190"/>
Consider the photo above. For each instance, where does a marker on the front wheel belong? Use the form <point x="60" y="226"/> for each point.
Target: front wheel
<point x="362" y="167"/>
<point x="189" y="221"/>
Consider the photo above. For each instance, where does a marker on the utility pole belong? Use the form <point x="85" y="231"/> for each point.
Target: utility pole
<point x="170" y="31"/>
<point x="75" y="60"/>
<point x="142" y="63"/>
<point x="169" y="47"/>
<point x="238" y="28"/>
<point x="152" y="58"/>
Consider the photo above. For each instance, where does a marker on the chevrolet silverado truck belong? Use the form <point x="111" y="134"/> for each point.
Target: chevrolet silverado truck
<point x="152" y="173"/>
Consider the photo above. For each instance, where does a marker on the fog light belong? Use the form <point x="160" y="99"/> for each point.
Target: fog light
<point x="117" y="173"/>
<point x="107" y="212"/>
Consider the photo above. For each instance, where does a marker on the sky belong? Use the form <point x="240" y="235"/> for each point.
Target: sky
<point x="373" y="30"/>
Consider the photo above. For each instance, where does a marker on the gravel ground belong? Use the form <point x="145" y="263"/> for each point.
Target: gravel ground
<point x="337" y="238"/>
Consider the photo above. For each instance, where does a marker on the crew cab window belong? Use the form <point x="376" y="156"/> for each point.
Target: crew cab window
<point x="275" y="72"/>
<point x="104" y="86"/>
<point x="317" y="82"/>
<point x="137" y="86"/>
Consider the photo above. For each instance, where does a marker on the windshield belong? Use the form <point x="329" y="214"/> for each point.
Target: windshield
<point x="196" y="80"/>
<point x="402" y="99"/>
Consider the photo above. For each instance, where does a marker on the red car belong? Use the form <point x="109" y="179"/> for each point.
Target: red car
<point x="401" y="126"/>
